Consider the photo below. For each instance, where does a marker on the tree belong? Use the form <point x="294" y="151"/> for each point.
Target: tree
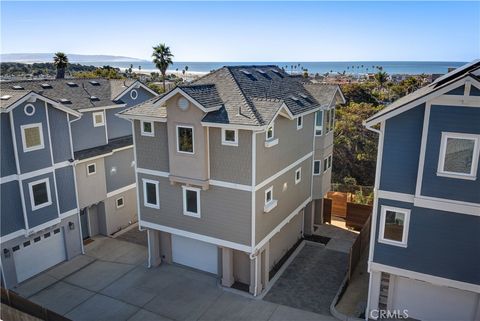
<point x="162" y="58"/>
<point x="60" y="60"/>
<point x="381" y="78"/>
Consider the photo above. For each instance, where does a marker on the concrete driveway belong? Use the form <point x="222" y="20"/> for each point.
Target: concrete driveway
<point x="111" y="282"/>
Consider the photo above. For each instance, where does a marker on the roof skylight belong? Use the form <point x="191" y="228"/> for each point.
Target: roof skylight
<point x="94" y="98"/>
<point x="6" y="97"/>
<point x="46" y="86"/>
<point x="72" y="84"/>
<point x="279" y="74"/>
<point x="17" y="87"/>
<point x="65" y="101"/>
<point x="94" y="83"/>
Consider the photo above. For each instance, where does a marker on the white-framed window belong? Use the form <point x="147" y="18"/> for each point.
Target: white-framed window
<point x="327" y="163"/>
<point x="185" y="139"/>
<point x="230" y="137"/>
<point x="91" y="169"/>
<point x="270" y="132"/>
<point x="32" y="137"/>
<point x="40" y="195"/>
<point x="191" y="201"/>
<point x="298" y="175"/>
<point x="394" y="224"/>
<point x="147" y="128"/>
<point x="151" y="196"/>
<point x="459" y="155"/>
<point x="330" y="161"/>
<point x="98" y="119"/>
<point x="270" y="203"/>
<point x="120" y="202"/>
<point x="29" y="110"/>
<point x="319" y="123"/>
<point x="299" y="122"/>
<point x="133" y="94"/>
<point x="330" y="120"/>
<point x="317" y="167"/>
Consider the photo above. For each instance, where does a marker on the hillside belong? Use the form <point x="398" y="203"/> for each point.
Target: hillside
<point x="47" y="57"/>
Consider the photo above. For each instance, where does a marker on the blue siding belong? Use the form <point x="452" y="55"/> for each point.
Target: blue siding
<point x="117" y="127"/>
<point x="142" y="96"/>
<point x="440" y="243"/>
<point x="449" y="119"/>
<point x="474" y="91"/>
<point x="67" y="199"/>
<point x="11" y="208"/>
<point x="60" y="135"/>
<point x="457" y="91"/>
<point x="37" y="159"/>
<point x="401" y="149"/>
<point x="44" y="214"/>
<point x="7" y="153"/>
<point x="85" y="136"/>
<point x="125" y="173"/>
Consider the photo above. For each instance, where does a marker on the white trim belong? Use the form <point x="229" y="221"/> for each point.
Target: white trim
<point x="197" y="214"/>
<point x="54" y="174"/>
<point x="315" y="126"/>
<point x="208" y="152"/>
<point x="178" y="141"/>
<point x="406" y="224"/>
<point x="104" y="155"/>
<point x="94" y="169"/>
<point x="281" y="225"/>
<point x="136" y="84"/>
<point x="443" y="149"/>
<point x="145" y="203"/>
<point x="32" y="96"/>
<point x="43" y="226"/>
<point x="272" y="126"/>
<point x="152" y="172"/>
<point x="101" y="108"/>
<point x="395" y="196"/>
<point x="423" y="148"/>
<point x="68" y="213"/>
<point x="283" y="171"/>
<point x="234" y="126"/>
<point x="298" y="180"/>
<point x="99" y="124"/>
<point x="121" y="190"/>
<point x="203" y="238"/>
<point x="319" y="167"/>
<point x="123" y="202"/>
<point x="300" y="118"/>
<point x="266" y="192"/>
<point x="143" y="132"/>
<point x="132" y="92"/>
<point x="373" y="266"/>
<point x="456" y="100"/>
<point x="13" y="235"/>
<point x="49" y="195"/>
<point x="240" y="187"/>
<point x="25" y="110"/>
<point x="271" y="142"/>
<point x="24" y="143"/>
<point x="447" y="205"/>
<point x="137" y="201"/>
<point x="253" y="180"/>
<point x="178" y="90"/>
<point x="227" y="142"/>
<point x="8" y="179"/>
<point x="141" y="117"/>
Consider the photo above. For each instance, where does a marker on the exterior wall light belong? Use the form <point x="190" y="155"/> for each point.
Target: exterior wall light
<point x="71" y="225"/>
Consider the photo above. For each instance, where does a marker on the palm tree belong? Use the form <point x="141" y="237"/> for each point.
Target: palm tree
<point x="60" y="60"/>
<point x="381" y="78"/>
<point x="162" y="58"/>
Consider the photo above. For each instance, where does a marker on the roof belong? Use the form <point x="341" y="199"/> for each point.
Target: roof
<point x="251" y="95"/>
<point x="73" y="93"/>
<point x="147" y="109"/>
<point x="461" y="72"/>
<point x="10" y="96"/>
<point x="104" y="149"/>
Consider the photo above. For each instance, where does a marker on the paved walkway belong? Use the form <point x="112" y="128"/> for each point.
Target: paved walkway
<point x="311" y="281"/>
<point x="111" y="282"/>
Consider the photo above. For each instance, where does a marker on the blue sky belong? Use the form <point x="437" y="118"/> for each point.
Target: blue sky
<point x="247" y="31"/>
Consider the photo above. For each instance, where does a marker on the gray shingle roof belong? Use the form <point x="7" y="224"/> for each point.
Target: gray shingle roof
<point x="147" y="109"/>
<point x="15" y="95"/>
<point x="206" y="95"/>
<point x="104" y="149"/>
<point x="79" y="96"/>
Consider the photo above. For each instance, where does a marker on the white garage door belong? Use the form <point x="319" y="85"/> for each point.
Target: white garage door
<point x="194" y="253"/>
<point x="38" y="254"/>
<point x="425" y="301"/>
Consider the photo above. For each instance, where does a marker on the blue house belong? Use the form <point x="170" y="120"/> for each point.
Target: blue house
<point x="63" y="152"/>
<point x="424" y="258"/>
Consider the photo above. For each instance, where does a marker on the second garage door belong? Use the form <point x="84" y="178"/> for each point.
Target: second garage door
<point x="194" y="253"/>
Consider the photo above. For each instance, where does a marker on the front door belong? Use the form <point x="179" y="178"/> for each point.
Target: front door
<point x="84" y="222"/>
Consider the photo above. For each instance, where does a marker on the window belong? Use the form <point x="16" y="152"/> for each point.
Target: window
<point x="133" y="94"/>
<point x="32" y="137"/>
<point x="270" y="203"/>
<point x="191" y="201"/>
<point x="98" y="119"/>
<point x="120" y="202"/>
<point x="270" y="132"/>
<point x="394" y="226"/>
<point x="330" y="161"/>
<point x="319" y="123"/>
<point x="29" y="110"/>
<point x="330" y="120"/>
<point x="91" y="169"/>
<point x="230" y="137"/>
<point x="458" y="155"/>
<point x="298" y="175"/>
<point x="316" y="167"/>
<point x="269" y="135"/>
<point x="299" y="122"/>
<point x="40" y="193"/>
<point x="185" y="139"/>
<point x="150" y="193"/>
<point x="327" y="163"/>
<point x="147" y="128"/>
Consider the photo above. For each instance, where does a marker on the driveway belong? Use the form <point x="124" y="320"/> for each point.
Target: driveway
<point x="111" y="282"/>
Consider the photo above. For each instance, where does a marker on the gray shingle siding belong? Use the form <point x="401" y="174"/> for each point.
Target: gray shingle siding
<point x="85" y="135"/>
<point x="117" y="127"/>
<point x="66" y="188"/>
<point x="60" y="135"/>
<point x="152" y="152"/>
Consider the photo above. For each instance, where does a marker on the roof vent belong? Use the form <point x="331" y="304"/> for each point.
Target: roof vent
<point x="279" y="74"/>
<point x="46" y="86"/>
<point x="261" y="71"/>
<point x="6" y="97"/>
<point x="72" y="84"/>
<point x="294" y="98"/>
<point x="65" y="101"/>
<point x="94" y="83"/>
<point x="17" y="87"/>
<point x="248" y="74"/>
<point x="94" y="98"/>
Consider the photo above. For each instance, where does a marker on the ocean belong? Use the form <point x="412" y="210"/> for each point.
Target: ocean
<point x="352" y="67"/>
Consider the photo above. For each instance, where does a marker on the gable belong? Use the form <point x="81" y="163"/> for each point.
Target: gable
<point x="457" y="91"/>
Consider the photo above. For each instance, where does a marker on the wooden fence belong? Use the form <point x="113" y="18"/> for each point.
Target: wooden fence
<point x="24" y="305"/>
<point x="357" y="215"/>
<point x="327" y="210"/>
<point x="360" y="245"/>
<point x="339" y="203"/>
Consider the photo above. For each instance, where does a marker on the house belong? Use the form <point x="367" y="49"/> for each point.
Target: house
<point x="425" y="240"/>
<point x="63" y="152"/>
<point x="232" y="169"/>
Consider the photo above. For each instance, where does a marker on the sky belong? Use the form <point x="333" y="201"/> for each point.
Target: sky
<point x="247" y="31"/>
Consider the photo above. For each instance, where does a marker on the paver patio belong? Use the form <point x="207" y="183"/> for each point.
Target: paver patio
<point x="111" y="282"/>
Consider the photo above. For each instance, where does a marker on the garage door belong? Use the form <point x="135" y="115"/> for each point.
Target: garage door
<point x="38" y="254"/>
<point x="194" y="253"/>
<point x="425" y="301"/>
